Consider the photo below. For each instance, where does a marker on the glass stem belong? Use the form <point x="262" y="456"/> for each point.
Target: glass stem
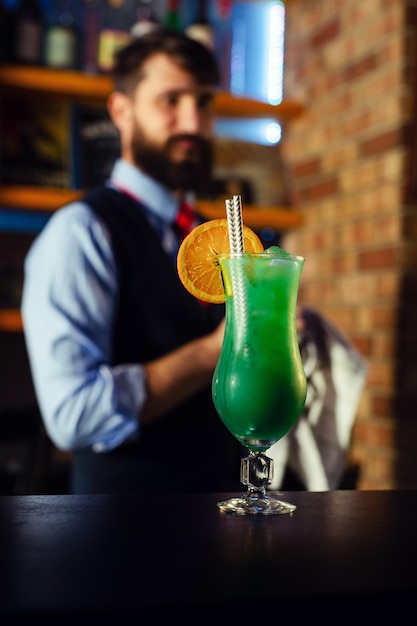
<point x="256" y="472"/>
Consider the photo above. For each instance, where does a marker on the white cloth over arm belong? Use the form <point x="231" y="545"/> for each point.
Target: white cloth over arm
<point x="316" y="447"/>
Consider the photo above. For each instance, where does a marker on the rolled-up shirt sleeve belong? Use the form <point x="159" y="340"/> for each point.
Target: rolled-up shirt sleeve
<point x="68" y="303"/>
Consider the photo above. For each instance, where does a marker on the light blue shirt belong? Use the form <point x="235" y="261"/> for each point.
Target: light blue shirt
<point x="68" y="306"/>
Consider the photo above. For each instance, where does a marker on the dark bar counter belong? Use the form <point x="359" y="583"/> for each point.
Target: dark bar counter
<point x="341" y="554"/>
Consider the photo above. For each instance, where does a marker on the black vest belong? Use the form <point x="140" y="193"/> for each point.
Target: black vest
<point x="188" y="448"/>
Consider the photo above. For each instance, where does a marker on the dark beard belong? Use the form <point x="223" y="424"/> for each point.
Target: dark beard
<point x="192" y="174"/>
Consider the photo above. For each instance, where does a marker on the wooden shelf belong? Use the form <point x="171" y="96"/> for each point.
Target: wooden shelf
<point x="10" y="321"/>
<point x="36" y="198"/>
<point x="280" y="218"/>
<point x="75" y="85"/>
<point x="92" y="87"/>
<point x="48" y="200"/>
<point x="227" y="105"/>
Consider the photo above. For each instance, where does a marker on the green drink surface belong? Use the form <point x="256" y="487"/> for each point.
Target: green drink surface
<point x="259" y="384"/>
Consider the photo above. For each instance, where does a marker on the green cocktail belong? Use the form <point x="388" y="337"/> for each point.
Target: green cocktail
<point x="259" y="385"/>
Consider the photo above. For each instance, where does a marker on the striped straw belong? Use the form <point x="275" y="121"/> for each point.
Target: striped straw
<point x="237" y="274"/>
<point x="235" y="224"/>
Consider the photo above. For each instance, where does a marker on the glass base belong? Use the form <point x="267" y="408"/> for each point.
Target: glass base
<point x="256" y="503"/>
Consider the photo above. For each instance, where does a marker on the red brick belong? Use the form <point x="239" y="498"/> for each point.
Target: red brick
<point x="323" y="188"/>
<point x="381" y="375"/>
<point x="362" y="343"/>
<point x="381" y="405"/>
<point x="378" y="259"/>
<point x="327" y="33"/>
<point x="364" y="65"/>
<point x="379" y="440"/>
<point x="306" y="168"/>
<point x="379" y="143"/>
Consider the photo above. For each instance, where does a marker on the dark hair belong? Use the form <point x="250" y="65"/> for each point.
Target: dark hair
<point x="187" y="53"/>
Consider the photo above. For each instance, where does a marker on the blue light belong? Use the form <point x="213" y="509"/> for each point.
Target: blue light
<point x="265" y="132"/>
<point x="273" y="132"/>
<point x="276" y="53"/>
<point x="238" y="57"/>
<point x="257" y="53"/>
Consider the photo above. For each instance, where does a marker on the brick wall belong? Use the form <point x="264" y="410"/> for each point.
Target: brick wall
<point x="352" y="157"/>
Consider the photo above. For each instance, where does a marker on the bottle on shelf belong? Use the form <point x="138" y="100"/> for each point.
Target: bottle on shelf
<point x="173" y="15"/>
<point x="28" y="32"/>
<point x="61" y="38"/>
<point x="223" y="40"/>
<point x="201" y="29"/>
<point x="146" y="19"/>
<point x="91" y="36"/>
<point x="114" y="32"/>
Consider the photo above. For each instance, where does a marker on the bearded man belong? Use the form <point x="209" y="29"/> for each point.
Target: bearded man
<point x="122" y="356"/>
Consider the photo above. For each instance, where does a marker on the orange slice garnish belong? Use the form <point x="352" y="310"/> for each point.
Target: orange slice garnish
<point x="197" y="263"/>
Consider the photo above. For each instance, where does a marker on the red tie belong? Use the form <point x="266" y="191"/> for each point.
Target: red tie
<point x="186" y="220"/>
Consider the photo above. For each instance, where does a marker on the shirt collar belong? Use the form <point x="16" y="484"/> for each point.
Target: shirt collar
<point x="136" y="183"/>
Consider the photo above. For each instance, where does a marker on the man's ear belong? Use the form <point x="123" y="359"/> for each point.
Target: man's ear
<point x="119" y="108"/>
